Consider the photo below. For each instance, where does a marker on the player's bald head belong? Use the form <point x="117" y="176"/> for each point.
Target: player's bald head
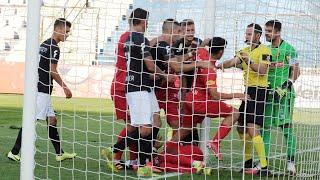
<point x="168" y="25"/>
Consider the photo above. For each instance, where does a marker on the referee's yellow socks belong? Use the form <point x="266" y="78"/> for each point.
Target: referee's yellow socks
<point x="247" y="146"/>
<point x="259" y="146"/>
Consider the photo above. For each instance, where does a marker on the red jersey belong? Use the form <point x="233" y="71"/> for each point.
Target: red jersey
<point x="204" y="79"/>
<point x="121" y="64"/>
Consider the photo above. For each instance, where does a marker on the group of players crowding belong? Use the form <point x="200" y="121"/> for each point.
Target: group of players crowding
<point x="177" y="72"/>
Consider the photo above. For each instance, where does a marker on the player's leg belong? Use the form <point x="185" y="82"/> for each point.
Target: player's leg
<point x="231" y="115"/>
<point x="135" y="100"/>
<point x="41" y="113"/>
<point x="121" y="110"/>
<point x="151" y="117"/>
<point x="291" y="144"/>
<point x="13" y="154"/>
<point x="288" y="133"/>
<point x="255" y="117"/>
<point x="186" y="124"/>
<point x="246" y="139"/>
<point x="54" y="136"/>
<point x="271" y="111"/>
<point x="173" y="118"/>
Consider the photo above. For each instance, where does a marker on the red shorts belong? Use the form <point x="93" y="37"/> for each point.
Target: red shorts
<point x="120" y="103"/>
<point x="179" y="158"/>
<point x="169" y="104"/>
<point x="196" y="110"/>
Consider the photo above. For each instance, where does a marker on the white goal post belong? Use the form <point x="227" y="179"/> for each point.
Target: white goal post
<point x="30" y="91"/>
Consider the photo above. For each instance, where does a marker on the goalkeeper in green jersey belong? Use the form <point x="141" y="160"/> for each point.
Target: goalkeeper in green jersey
<point x="283" y="72"/>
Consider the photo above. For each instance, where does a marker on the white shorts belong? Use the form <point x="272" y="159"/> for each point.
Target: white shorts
<point x="44" y="106"/>
<point x="142" y="106"/>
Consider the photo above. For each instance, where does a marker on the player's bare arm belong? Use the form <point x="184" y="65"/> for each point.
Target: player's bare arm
<point x="295" y="72"/>
<point x="56" y="76"/>
<point x="261" y="68"/>
<point x="155" y="69"/>
<point x="234" y="62"/>
<point x="225" y="96"/>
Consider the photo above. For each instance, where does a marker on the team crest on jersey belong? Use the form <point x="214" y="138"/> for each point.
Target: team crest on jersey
<point x="43" y="49"/>
<point x="266" y="57"/>
<point x="211" y="82"/>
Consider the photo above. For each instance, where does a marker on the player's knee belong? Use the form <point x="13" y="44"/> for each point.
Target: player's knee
<point x="52" y="121"/>
<point x="157" y="119"/>
<point x="130" y="128"/>
<point x="174" y="124"/>
<point x="145" y="130"/>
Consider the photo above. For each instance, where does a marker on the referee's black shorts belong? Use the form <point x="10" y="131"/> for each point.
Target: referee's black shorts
<point x="252" y="111"/>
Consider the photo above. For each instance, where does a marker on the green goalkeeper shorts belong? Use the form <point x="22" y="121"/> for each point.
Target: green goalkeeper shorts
<point x="279" y="113"/>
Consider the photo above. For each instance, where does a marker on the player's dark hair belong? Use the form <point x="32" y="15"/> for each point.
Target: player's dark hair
<point x="171" y="22"/>
<point x="137" y="15"/>
<point x="61" y="22"/>
<point x="187" y="22"/>
<point x="256" y="27"/>
<point x="217" y="44"/>
<point x="275" y="24"/>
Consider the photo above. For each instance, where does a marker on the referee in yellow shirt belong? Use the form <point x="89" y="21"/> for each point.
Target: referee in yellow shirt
<point x="254" y="60"/>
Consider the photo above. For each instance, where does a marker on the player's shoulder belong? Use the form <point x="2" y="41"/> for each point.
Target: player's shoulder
<point x="124" y="36"/>
<point x="138" y="37"/>
<point x="49" y="44"/>
<point x="245" y="49"/>
<point x="264" y="49"/>
<point x="287" y="45"/>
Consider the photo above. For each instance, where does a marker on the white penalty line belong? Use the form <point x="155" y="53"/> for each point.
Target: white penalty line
<point x="167" y="175"/>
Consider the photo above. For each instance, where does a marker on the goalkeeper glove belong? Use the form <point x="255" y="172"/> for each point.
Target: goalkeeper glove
<point x="282" y="91"/>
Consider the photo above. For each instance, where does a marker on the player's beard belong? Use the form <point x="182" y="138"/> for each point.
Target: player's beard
<point x="248" y="42"/>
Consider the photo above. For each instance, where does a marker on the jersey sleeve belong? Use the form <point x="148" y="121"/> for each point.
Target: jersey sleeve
<point x="292" y="55"/>
<point x="54" y="54"/>
<point x="211" y="81"/>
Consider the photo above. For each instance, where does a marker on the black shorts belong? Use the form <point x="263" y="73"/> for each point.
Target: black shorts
<point x="252" y="111"/>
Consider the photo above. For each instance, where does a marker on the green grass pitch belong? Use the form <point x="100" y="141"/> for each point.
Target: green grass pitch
<point x="87" y="127"/>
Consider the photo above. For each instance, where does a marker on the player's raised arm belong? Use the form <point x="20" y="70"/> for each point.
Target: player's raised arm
<point x="234" y="62"/>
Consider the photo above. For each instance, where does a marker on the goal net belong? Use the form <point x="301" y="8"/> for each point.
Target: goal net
<point x="87" y="123"/>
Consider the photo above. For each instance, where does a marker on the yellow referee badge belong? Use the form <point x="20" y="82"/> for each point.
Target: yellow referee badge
<point x="267" y="57"/>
